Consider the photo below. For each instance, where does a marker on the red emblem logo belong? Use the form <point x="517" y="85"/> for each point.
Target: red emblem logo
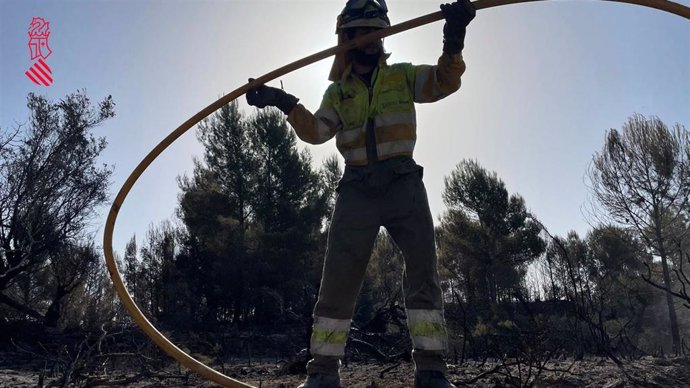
<point x="39" y="32"/>
<point x="40" y="73"/>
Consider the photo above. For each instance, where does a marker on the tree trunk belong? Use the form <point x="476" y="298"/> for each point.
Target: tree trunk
<point x="675" y="334"/>
<point x="673" y="319"/>
<point x="54" y="312"/>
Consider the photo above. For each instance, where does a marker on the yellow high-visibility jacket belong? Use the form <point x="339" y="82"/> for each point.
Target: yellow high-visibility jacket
<point x="349" y="107"/>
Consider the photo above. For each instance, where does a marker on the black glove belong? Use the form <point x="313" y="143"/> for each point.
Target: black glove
<point x="458" y="15"/>
<point x="263" y="96"/>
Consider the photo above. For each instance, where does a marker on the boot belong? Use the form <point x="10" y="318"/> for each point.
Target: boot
<point x="317" y="380"/>
<point x="431" y="379"/>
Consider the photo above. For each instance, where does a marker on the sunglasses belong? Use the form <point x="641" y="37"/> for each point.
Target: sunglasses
<point x="361" y="14"/>
<point x="357" y="9"/>
<point x="360" y="4"/>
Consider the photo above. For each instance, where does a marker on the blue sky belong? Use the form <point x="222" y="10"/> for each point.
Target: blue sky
<point x="544" y="82"/>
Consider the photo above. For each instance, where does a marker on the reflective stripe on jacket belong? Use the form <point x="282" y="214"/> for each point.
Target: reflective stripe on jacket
<point x="348" y="105"/>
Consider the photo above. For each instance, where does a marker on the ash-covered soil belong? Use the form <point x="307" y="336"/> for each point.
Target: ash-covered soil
<point x="17" y="371"/>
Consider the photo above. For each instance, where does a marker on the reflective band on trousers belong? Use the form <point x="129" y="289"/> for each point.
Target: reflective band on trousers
<point x="427" y="329"/>
<point x="329" y="336"/>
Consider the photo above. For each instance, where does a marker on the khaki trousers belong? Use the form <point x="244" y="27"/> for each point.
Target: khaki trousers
<point x="391" y="195"/>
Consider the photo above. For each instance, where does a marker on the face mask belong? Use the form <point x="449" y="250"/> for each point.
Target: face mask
<point x="366" y="59"/>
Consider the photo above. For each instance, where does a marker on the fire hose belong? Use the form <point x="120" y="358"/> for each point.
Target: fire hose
<point x="159" y="339"/>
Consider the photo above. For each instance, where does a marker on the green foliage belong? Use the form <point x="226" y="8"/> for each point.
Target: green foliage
<point x="331" y="172"/>
<point x="486" y="238"/>
<point x="642" y="172"/>
<point x="600" y="277"/>
<point x="641" y="177"/>
<point x="253" y="215"/>
<point x="50" y="185"/>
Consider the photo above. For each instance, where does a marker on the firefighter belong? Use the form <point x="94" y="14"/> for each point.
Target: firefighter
<point x="369" y="109"/>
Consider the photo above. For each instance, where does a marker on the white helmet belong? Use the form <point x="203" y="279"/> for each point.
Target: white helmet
<point x="363" y="13"/>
